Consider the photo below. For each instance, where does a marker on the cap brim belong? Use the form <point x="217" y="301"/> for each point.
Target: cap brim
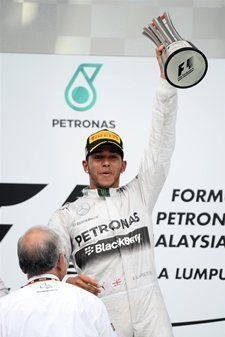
<point x="96" y="147"/>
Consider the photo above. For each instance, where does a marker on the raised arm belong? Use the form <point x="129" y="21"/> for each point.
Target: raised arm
<point x="156" y="160"/>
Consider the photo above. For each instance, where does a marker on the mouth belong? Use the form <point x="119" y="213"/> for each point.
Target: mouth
<point x="105" y="174"/>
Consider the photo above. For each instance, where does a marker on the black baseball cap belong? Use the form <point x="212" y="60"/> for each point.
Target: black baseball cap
<point x="103" y="137"/>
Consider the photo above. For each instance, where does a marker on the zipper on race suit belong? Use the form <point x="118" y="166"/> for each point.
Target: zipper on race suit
<point x="103" y="192"/>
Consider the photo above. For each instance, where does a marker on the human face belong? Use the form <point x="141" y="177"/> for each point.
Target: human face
<point x="104" y="167"/>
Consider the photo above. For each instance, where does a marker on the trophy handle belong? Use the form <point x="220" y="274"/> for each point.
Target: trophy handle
<point x="175" y="33"/>
<point x="163" y="33"/>
<point x="150" y="33"/>
<point x="168" y="36"/>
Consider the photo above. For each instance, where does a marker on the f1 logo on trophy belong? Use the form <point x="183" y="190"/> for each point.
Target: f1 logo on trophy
<point x="184" y="64"/>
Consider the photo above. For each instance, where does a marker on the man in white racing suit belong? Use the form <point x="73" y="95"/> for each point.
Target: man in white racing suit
<point x="108" y="231"/>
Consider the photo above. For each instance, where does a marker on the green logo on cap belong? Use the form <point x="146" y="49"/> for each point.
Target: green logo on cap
<point x="80" y="93"/>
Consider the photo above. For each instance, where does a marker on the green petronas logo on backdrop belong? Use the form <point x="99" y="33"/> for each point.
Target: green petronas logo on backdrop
<point x="80" y="92"/>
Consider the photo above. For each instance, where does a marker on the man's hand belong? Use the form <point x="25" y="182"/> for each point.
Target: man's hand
<point x="85" y="282"/>
<point x="158" y="53"/>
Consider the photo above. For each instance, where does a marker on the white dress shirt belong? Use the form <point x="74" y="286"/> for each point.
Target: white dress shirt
<point x="51" y="308"/>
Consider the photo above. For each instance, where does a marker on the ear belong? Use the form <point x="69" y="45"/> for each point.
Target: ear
<point x="61" y="268"/>
<point x="60" y="262"/>
<point x="85" y="166"/>
<point x="123" y="166"/>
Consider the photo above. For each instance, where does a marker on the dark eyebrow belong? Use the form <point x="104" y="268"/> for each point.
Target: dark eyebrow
<point x="111" y="150"/>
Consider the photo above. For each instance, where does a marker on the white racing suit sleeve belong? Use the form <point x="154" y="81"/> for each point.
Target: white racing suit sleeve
<point x="155" y="164"/>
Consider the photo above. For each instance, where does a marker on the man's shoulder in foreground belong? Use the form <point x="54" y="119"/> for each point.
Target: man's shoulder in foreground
<point x="53" y="289"/>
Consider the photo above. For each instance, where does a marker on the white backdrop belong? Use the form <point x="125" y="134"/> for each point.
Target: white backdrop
<point x="189" y="215"/>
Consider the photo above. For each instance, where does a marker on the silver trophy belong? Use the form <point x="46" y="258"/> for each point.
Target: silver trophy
<point x="184" y="64"/>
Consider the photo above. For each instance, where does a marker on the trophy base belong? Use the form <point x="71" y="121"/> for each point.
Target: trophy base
<point x="184" y="64"/>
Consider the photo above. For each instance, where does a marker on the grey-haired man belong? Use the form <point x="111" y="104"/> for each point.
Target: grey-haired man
<point x="45" y="306"/>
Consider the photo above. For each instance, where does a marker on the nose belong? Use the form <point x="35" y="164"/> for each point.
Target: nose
<point x="106" y="162"/>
